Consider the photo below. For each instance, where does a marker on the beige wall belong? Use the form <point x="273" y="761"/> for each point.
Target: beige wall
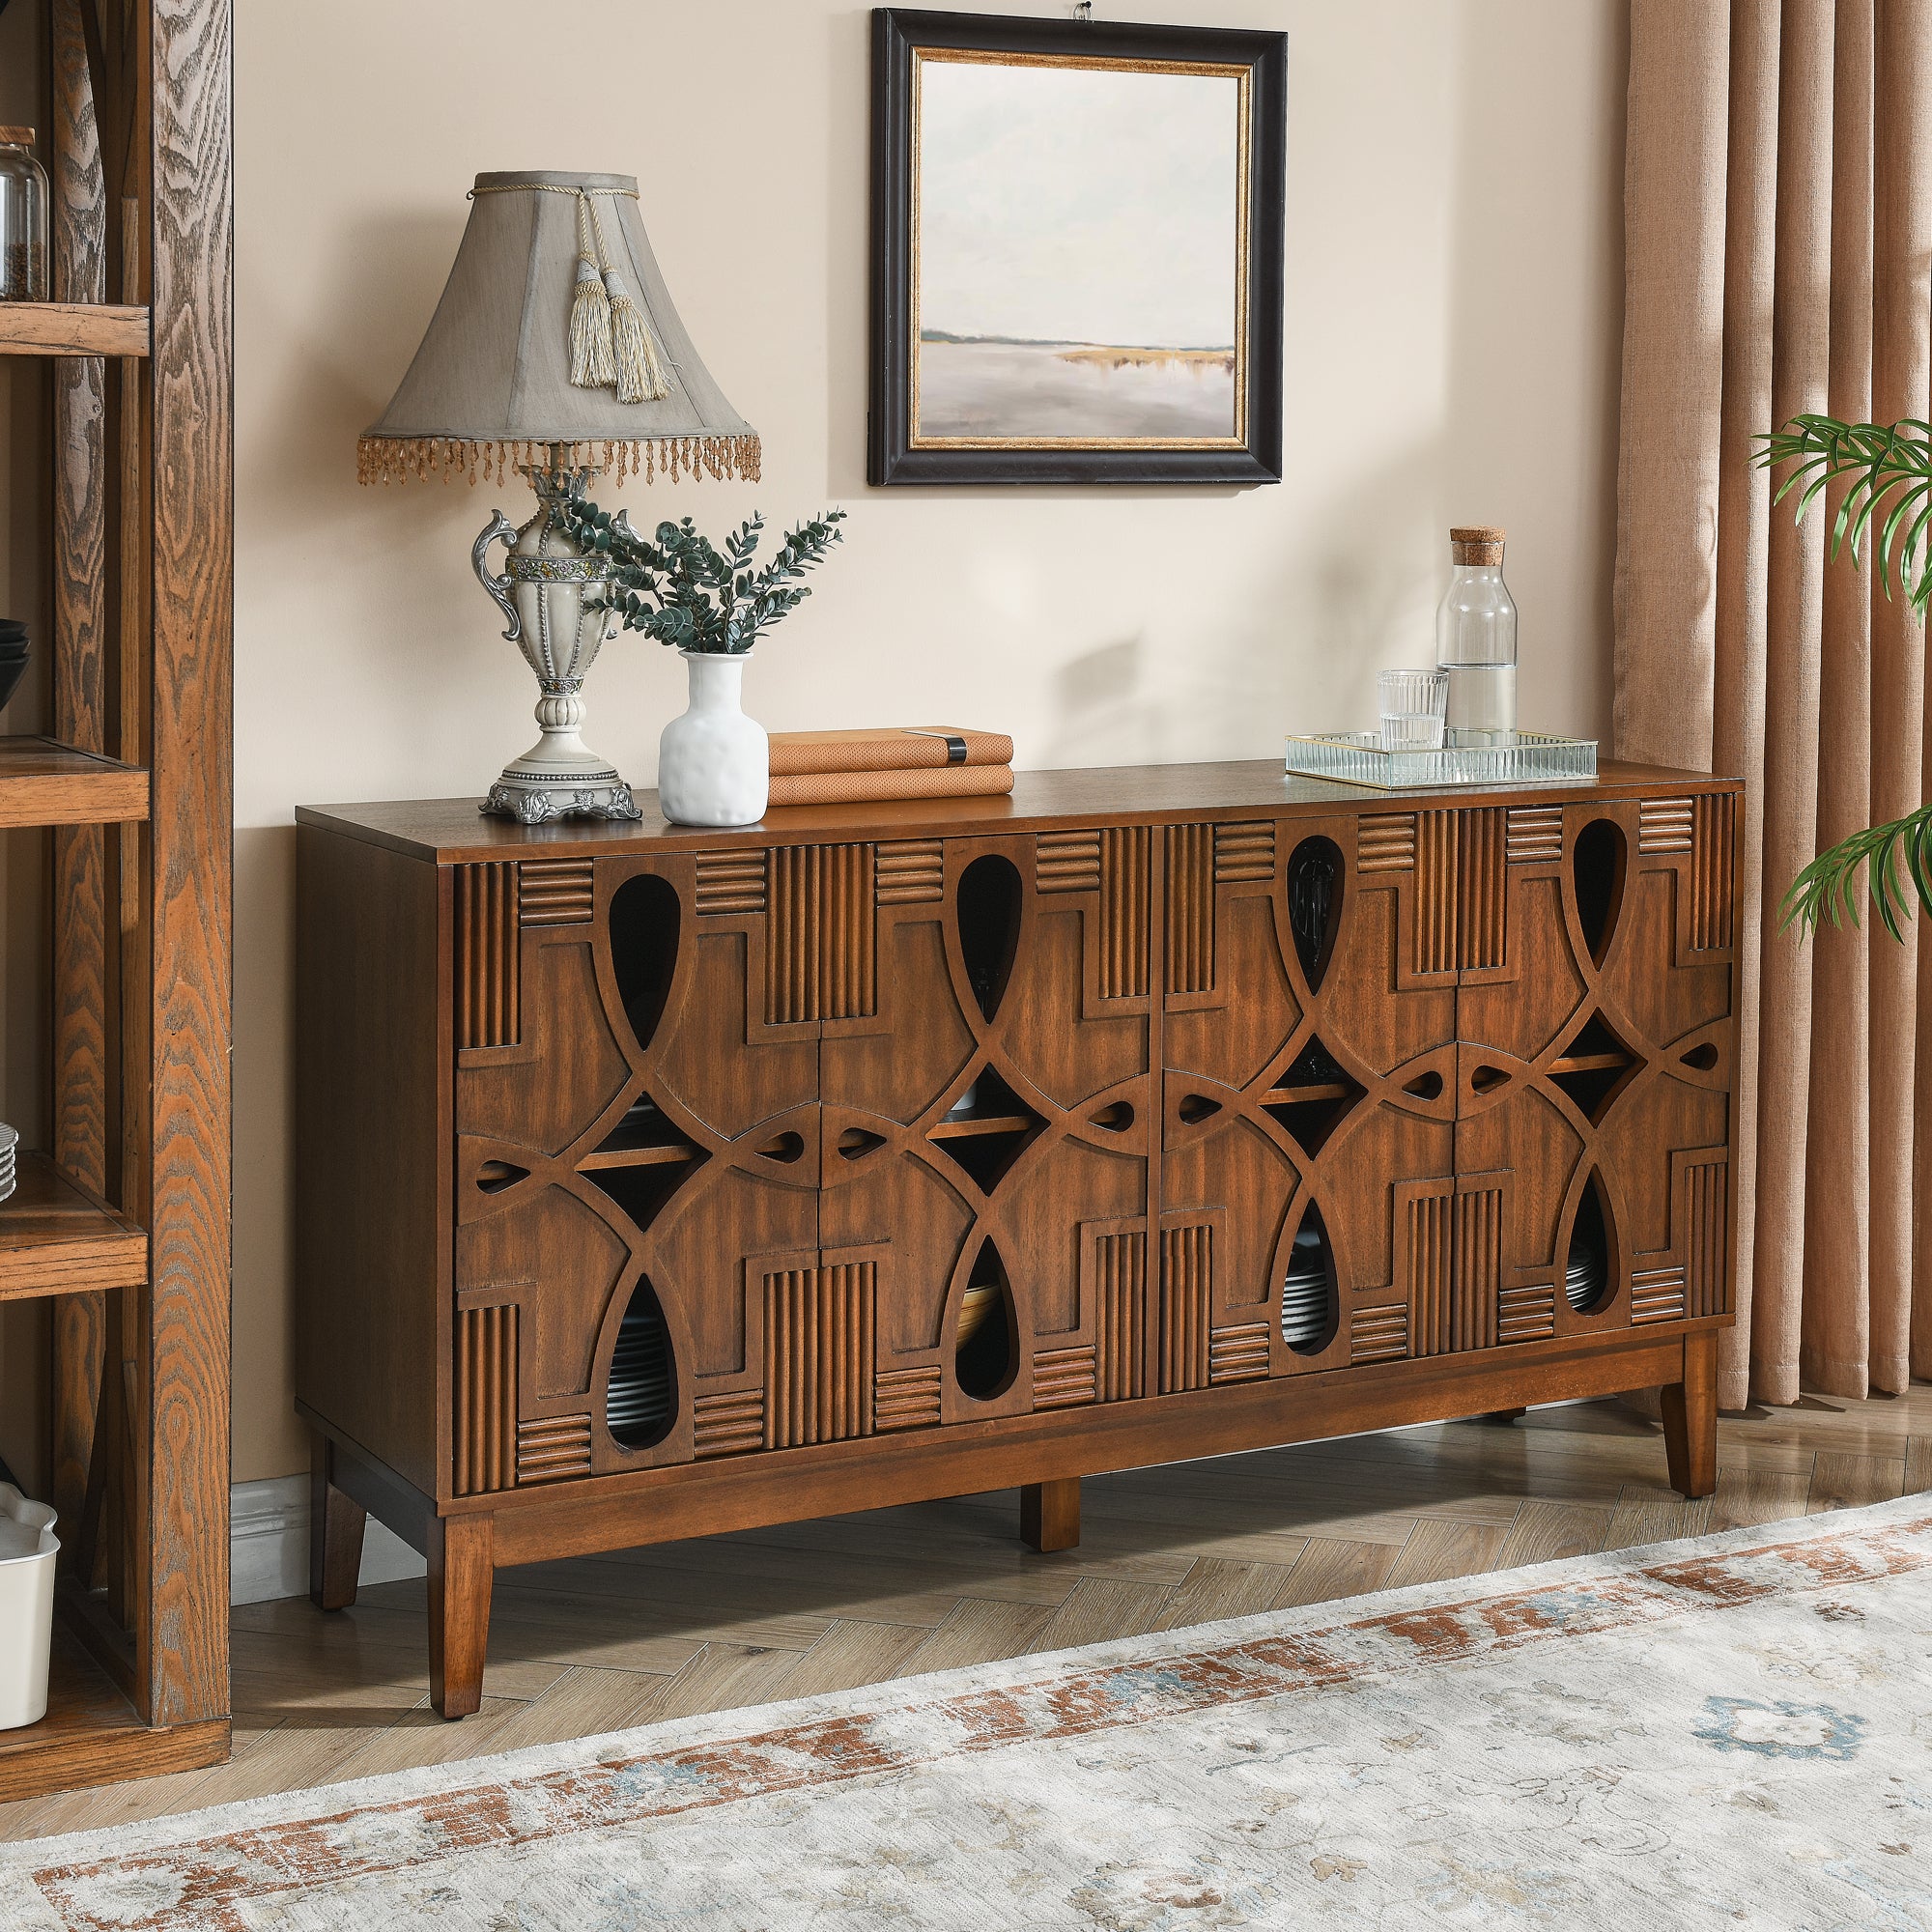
<point x="1453" y="222"/>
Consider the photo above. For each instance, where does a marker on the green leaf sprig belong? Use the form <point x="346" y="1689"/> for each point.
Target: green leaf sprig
<point x="679" y="587"/>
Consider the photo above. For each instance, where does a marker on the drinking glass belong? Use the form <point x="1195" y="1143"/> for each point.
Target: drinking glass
<point x="1413" y="704"/>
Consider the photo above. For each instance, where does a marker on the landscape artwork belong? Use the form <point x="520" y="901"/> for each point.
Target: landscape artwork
<point x="1079" y="248"/>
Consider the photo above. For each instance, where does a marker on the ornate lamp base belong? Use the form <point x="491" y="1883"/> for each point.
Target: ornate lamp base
<point x="600" y="794"/>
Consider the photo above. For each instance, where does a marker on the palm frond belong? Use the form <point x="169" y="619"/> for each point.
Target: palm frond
<point x="1889" y="467"/>
<point x="1828" y="888"/>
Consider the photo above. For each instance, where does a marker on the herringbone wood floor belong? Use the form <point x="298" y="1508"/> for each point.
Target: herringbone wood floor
<point x="598" y="1643"/>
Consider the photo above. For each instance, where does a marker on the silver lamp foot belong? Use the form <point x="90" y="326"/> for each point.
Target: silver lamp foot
<point x="559" y="776"/>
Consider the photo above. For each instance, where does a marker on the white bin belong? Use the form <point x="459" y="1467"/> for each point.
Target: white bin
<point x="27" y="1550"/>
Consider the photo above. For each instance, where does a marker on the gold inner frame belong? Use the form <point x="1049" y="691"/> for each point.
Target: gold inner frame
<point x="1243" y="77"/>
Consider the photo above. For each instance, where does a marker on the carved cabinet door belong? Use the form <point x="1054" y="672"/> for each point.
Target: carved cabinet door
<point x="987" y="1129"/>
<point x="1307" y="1046"/>
<point x="1597" y="1064"/>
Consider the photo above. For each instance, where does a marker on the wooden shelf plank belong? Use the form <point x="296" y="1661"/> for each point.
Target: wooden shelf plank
<point x="644" y="1154"/>
<point x="91" y="1735"/>
<point x="964" y="1126"/>
<point x="72" y="328"/>
<point x="58" y="1238"/>
<point x="45" y="782"/>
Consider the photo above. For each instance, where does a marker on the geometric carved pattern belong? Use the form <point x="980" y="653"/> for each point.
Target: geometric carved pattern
<point x="1119" y="1301"/>
<point x="1244" y="852"/>
<point x="1664" y="825"/>
<point x="488" y="1011"/>
<point x="1378" y="1334"/>
<point x="553" y="892"/>
<point x="1479" y="920"/>
<point x="1239" y="1354"/>
<point x="1454" y="1263"/>
<point x="1190" y="908"/>
<point x="818" y="1354"/>
<point x="819" y="961"/>
<point x="1711" y="862"/>
<point x="1704" y="1248"/>
<point x="552" y="1448"/>
<point x="1526" y="1314"/>
<point x="729" y="1424"/>
<point x="1386" y="843"/>
<point x="1657" y="1295"/>
<point x="1535" y="835"/>
<point x="1062" y="1378"/>
<point x="910" y="871"/>
<point x="1186" y="1276"/>
<point x="1112" y="862"/>
<point x="906" y="1398"/>
<point x="1436" y="892"/>
<point x="485" y="1398"/>
<point x="730" y="882"/>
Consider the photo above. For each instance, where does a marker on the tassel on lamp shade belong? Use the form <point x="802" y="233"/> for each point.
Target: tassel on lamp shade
<point x="555" y="352"/>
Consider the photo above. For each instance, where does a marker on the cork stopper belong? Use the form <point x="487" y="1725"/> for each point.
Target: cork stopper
<point x="1476" y="543"/>
<point x="18" y="137"/>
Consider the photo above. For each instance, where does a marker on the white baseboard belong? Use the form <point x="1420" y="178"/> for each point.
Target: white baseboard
<point x="268" y="1543"/>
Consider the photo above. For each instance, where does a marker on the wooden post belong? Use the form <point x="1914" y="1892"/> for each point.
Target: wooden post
<point x="1691" y="1418"/>
<point x="460" y="1575"/>
<point x="1050" y="1514"/>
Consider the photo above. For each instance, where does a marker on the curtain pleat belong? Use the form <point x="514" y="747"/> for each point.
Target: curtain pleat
<point x="1778" y="262"/>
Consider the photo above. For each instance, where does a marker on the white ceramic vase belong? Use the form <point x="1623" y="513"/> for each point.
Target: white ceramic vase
<point x="714" y="763"/>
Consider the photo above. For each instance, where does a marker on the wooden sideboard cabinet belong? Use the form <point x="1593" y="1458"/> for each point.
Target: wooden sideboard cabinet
<point x="655" y="1181"/>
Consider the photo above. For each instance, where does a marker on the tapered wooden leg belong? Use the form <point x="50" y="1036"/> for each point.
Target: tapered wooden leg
<point x="1691" y="1418"/>
<point x="459" y="1573"/>
<point x="1502" y="1418"/>
<point x="1050" y="1514"/>
<point x="336" y="1526"/>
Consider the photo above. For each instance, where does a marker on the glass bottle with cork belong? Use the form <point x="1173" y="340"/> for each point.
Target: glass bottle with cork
<point x="1475" y="641"/>
<point x="23" y="219"/>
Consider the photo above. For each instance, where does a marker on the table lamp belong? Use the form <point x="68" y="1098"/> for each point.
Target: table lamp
<point x="555" y="351"/>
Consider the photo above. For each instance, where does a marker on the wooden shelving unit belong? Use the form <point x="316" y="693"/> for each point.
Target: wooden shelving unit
<point x="122" y="1221"/>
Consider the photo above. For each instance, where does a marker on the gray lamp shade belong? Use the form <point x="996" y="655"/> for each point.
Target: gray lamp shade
<point x="491" y="387"/>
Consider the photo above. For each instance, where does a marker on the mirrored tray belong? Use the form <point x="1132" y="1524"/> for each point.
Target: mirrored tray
<point x="1358" y="757"/>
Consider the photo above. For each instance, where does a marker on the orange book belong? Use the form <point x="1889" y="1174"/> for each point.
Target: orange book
<point x="848" y="787"/>
<point x="887" y="747"/>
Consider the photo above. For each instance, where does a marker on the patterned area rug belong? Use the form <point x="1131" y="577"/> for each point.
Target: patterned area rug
<point x="1733" y="1730"/>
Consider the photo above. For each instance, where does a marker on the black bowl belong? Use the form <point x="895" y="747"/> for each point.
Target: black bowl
<point x="11" y="671"/>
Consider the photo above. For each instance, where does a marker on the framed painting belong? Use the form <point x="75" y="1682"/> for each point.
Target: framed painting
<point x="1076" y="251"/>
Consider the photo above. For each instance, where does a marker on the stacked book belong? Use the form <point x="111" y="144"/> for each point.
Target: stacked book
<point x="889" y="761"/>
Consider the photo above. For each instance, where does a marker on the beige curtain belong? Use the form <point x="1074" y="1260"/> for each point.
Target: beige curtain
<point x="1779" y="259"/>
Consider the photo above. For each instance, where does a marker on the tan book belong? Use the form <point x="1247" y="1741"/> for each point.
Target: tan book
<point x="887" y="747"/>
<point x="848" y="787"/>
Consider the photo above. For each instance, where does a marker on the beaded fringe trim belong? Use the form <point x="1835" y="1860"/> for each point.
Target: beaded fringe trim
<point x="396" y="459"/>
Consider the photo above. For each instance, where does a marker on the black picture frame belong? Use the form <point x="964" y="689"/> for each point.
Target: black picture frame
<point x="891" y="456"/>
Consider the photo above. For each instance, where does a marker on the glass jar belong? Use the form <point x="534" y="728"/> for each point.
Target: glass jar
<point x="23" y="219"/>
<point x="1475" y="641"/>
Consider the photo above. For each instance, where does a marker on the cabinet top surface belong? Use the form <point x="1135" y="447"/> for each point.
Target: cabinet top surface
<point x="453" y="831"/>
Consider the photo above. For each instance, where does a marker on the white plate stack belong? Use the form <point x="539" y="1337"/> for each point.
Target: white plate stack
<point x="640" y="1398"/>
<point x="1304" y="1295"/>
<point x="1583" y="1279"/>
<point x="10" y="1146"/>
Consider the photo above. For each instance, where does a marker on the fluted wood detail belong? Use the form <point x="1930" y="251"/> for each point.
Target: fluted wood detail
<point x="1526" y="1314"/>
<point x="730" y="882"/>
<point x="1238" y="1354"/>
<point x="1712" y="857"/>
<point x="552" y="1448"/>
<point x="910" y="871"/>
<point x="1067" y="861"/>
<point x="486" y="1400"/>
<point x="1535" y="834"/>
<point x="1190" y="908"/>
<point x="1123" y="912"/>
<point x="1378" y="1334"/>
<point x="819" y="956"/>
<point x="1706" y="1288"/>
<point x="1657" y="1295"/>
<point x="1386" y="843"/>
<point x="1118" y="1300"/>
<point x="1244" y="852"/>
<point x="819" y="1353"/>
<point x="1665" y="825"/>
<point x="1482" y="877"/>
<point x="1186" y="1280"/>
<point x="727" y="1424"/>
<point x="1062" y="1378"/>
<point x="555" y="891"/>
<point x="489" y="1009"/>
<point x="1438" y="892"/>
<point x="1455" y="1265"/>
<point x="906" y="1398"/>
